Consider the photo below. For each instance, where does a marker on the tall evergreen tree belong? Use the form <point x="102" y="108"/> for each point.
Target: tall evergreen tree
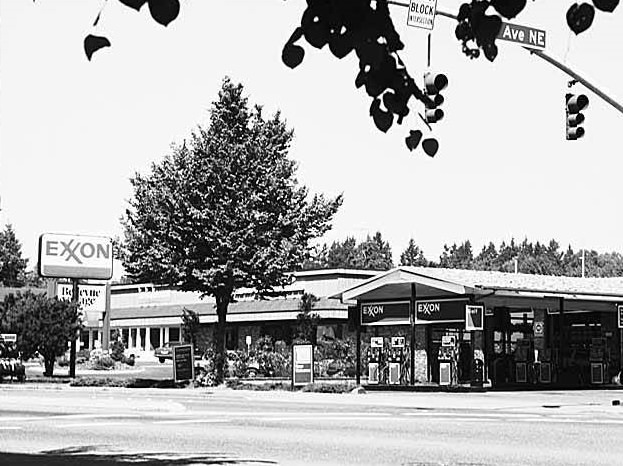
<point x="457" y="257"/>
<point x="12" y="264"/>
<point x="413" y="255"/>
<point x="224" y="211"/>
<point x="342" y="254"/>
<point x="374" y="253"/>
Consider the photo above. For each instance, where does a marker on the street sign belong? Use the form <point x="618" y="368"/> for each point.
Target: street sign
<point x="474" y="317"/>
<point x="75" y="256"/>
<point x="8" y="337"/>
<point x="183" y="363"/>
<point x="524" y="35"/>
<point x="302" y="364"/>
<point x="422" y="14"/>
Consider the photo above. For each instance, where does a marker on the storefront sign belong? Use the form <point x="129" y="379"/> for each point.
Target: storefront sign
<point x="376" y="342"/>
<point x="302" y="364"/>
<point x="8" y="337"/>
<point x="398" y="342"/>
<point x="539" y="328"/>
<point x="183" y="363"/>
<point x="440" y="310"/>
<point x="388" y="313"/>
<point x="92" y="298"/>
<point x="75" y="256"/>
<point x="474" y="317"/>
<point x="620" y="319"/>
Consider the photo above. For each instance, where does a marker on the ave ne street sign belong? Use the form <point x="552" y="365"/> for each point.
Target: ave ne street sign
<point x="526" y="36"/>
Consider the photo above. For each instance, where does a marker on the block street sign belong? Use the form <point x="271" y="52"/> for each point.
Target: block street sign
<point x="75" y="256"/>
<point x="183" y="363"/>
<point x="524" y="35"/>
<point x="422" y="13"/>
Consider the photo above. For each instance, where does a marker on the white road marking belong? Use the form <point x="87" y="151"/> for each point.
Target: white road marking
<point x="97" y="424"/>
<point x="191" y="421"/>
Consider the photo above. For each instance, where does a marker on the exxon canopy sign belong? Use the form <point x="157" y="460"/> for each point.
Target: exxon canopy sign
<point x="75" y="256"/>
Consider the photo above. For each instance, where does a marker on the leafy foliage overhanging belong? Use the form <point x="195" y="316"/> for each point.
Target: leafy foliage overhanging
<point x="224" y="211"/>
<point x="366" y="27"/>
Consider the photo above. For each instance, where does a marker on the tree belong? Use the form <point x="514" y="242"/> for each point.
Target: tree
<point x="413" y="255"/>
<point x="374" y="254"/>
<point x="366" y="28"/>
<point x="307" y="321"/>
<point x="457" y="257"/>
<point x="42" y="324"/>
<point x="224" y="210"/>
<point x="12" y="265"/>
<point x="190" y="326"/>
<point x="342" y="255"/>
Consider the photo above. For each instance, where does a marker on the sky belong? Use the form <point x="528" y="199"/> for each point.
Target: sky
<point x="73" y="132"/>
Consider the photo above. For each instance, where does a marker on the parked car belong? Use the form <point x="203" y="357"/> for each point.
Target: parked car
<point x="166" y="351"/>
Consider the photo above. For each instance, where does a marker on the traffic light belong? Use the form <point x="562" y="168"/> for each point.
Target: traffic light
<point x="433" y="85"/>
<point x="575" y="103"/>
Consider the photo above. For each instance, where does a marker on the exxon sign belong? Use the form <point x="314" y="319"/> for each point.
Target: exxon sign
<point x="75" y="256"/>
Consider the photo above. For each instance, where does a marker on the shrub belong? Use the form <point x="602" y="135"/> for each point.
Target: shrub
<point x="323" y="387"/>
<point x="103" y="362"/>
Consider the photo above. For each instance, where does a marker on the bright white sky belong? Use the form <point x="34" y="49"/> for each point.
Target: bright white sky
<point x="72" y="132"/>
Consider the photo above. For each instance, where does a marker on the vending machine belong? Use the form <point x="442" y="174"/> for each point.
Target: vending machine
<point x="396" y="355"/>
<point x="374" y="360"/>
<point x="447" y="360"/>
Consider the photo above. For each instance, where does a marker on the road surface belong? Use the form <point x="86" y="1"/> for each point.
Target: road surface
<point x="52" y="425"/>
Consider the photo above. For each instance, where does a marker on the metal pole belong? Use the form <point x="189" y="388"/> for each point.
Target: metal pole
<point x="106" y="321"/>
<point x="545" y="57"/>
<point x="358" y="347"/>
<point x="412" y="362"/>
<point x="72" y="349"/>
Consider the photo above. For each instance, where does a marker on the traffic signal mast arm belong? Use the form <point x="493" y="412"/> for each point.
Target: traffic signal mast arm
<point x="545" y="57"/>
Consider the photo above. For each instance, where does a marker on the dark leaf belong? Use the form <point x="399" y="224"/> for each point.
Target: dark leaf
<point x="93" y="43"/>
<point x="491" y="51"/>
<point x="340" y="45"/>
<point x="292" y="55"/>
<point x="463" y="31"/>
<point x="509" y="8"/>
<point x="361" y="79"/>
<point x="97" y="19"/>
<point x="464" y="11"/>
<point x="164" y="11"/>
<point x="134" y="4"/>
<point x="413" y="139"/>
<point x="580" y="17"/>
<point x="430" y="146"/>
<point x="606" y="5"/>
<point x="487" y="30"/>
<point x="382" y="119"/>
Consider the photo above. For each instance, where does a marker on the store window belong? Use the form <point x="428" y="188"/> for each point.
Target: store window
<point x="174" y="334"/>
<point x="231" y="338"/>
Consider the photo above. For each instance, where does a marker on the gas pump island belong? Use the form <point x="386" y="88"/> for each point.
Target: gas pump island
<point x="420" y="341"/>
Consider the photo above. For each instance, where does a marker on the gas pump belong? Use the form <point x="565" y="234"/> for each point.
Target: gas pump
<point x="447" y="360"/>
<point x="396" y="356"/>
<point x="374" y="359"/>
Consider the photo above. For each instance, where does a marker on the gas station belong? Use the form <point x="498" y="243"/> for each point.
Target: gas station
<point x="451" y="327"/>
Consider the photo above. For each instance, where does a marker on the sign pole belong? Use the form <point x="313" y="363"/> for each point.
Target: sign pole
<point x="72" y="350"/>
<point x="412" y="316"/>
<point x="106" y="321"/>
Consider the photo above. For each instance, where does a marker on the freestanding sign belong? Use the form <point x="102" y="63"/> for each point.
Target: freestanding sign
<point x="526" y="36"/>
<point x="474" y="317"/>
<point x="75" y="256"/>
<point x="422" y="13"/>
<point x="302" y="364"/>
<point x="183" y="363"/>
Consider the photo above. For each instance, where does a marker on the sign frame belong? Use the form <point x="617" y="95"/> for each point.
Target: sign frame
<point x="469" y="322"/>
<point x="302" y="364"/>
<point x="75" y="256"/>
<point x="180" y="373"/>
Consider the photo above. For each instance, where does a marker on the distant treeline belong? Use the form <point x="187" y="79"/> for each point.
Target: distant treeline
<point x="534" y="258"/>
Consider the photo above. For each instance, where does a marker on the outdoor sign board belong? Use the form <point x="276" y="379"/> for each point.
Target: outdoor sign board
<point x="422" y="14"/>
<point x="8" y="337"/>
<point x="385" y="313"/>
<point x="620" y="319"/>
<point x="440" y="310"/>
<point x="92" y="298"/>
<point x="448" y="341"/>
<point x="302" y="364"/>
<point x="376" y="342"/>
<point x="474" y="317"/>
<point x="526" y="36"/>
<point x="538" y="328"/>
<point x="398" y="342"/>
<point x="183" y="363"/>
<point x="75" y="256"/>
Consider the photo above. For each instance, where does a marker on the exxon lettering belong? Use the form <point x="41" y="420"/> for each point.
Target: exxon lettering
<point x="373" y="311"/>
<point x="428" y="308"/>
<point x="76" y="250"/>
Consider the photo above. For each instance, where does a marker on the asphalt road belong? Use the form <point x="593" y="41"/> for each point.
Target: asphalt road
<point x="50" y="426"/>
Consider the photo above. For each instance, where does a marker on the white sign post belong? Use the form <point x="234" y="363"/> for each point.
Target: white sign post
<point x="422" y="14"/>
